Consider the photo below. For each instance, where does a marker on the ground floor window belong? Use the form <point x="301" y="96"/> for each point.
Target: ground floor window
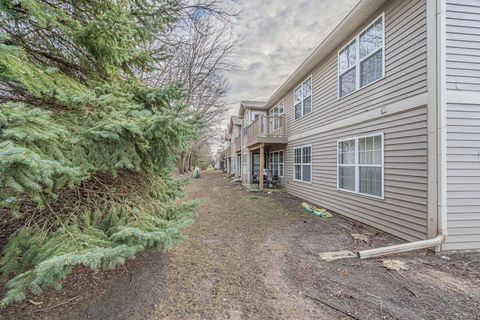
<point x="360" y="165"/>
<point x="245" y="163"/>
<point x="239" y="165"/>
<point x="302" y="163"/>
<point x="276" y="163"/>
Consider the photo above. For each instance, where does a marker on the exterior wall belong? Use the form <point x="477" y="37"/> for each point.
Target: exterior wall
<point x="463" y="124"/>
<point x="403" y="211"/>
<point x="405" y="71"/>
<point x="236" y="134"/>
<point x="463" y="45"/>
<point x="463" y="176"/>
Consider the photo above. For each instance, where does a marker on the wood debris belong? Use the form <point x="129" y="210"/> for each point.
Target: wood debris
<point x="335" y="255"/>
<point x="360" y="236"/>
<point x="396" y="265"/>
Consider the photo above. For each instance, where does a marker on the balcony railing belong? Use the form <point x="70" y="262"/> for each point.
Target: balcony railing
<point x="267" y="127"/>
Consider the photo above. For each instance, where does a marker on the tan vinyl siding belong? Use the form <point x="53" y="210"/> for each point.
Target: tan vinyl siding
<point x="463" y="176"/>
<point x="402" y="212"/>
<point x="405" y="71"/>
<point x="463" y="45"/>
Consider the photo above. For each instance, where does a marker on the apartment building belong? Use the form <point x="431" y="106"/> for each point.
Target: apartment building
<point x="381" y="122"/>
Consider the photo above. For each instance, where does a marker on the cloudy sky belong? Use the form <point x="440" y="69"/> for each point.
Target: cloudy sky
<point x="277" y="37"/>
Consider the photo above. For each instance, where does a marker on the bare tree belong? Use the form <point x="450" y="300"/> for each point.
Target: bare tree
<point x="199" y="49"/>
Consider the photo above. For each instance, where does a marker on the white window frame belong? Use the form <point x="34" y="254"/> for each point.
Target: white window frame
<point x="253" y="114"/>
<point x="301" y="164"/>
<point x="271" y="112"/>
<point x="359" y="61"/>
<point x="244" y="164"/>
<point x="357" y="165"/>
<point x="279" y="163"/>
<point x="303" y="98"/>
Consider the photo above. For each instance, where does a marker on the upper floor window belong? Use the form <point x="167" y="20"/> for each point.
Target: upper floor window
<point x="302" y="98"/>
<point x="255" y="115"/>
<point x="362" y="61"/>
<point x="277" y="112"/>
<point x="360" y="165"/>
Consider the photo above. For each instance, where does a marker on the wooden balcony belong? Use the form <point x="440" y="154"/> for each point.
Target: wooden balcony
<point x="267" y="130"/>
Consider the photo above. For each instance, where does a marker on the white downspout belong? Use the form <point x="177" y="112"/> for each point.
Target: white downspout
<point x="442" y="116"/>
<point x="440" y="13"/>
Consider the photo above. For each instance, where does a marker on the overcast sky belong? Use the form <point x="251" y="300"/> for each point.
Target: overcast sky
<point x="277" y="37"/>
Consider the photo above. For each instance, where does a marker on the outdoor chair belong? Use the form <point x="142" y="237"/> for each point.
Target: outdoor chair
<point x="269" y="180"/>
<point x="255" y="179"/>
<point x="276" y="182"/>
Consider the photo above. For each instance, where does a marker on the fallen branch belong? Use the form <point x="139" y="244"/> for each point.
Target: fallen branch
<point x="131" y="277"/>
<point x="466" y="264"/>
<point x="58" y="304"/>
<point x="333" y="307"/>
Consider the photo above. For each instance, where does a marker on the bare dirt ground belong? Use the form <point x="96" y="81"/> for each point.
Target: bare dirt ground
<point x="256" y="256"/>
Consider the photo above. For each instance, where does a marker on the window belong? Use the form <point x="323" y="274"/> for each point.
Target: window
<point x="346" y="165"/>
<point x="277" y="111"/>
<point x="302" y="97"/>
<point x="361" y="62"/>
<point x="276" y="163"/>
<point x="302" y="163"/>
<point x="360" y="165"/>
<point x="245" y="164"/>
<point x="255" y="115"/>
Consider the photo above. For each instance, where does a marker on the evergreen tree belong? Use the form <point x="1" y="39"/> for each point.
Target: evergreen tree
<point x="86" y="148"/>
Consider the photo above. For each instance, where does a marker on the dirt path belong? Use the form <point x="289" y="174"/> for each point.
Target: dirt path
<point x="219" y="272"/>
<point x="256" y="256"/>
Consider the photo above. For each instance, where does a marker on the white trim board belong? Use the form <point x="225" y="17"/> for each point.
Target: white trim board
<point x="463" y="97"/>
<point x="387" y="110"/>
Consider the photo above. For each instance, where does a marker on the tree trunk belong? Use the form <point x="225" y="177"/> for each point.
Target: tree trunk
<point x="185" y="162"/>
<point x="191" y="160"/>
<point x="181" y="163"/>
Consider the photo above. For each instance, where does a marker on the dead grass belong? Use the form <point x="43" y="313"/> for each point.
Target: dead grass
<point x="256" y="256"/>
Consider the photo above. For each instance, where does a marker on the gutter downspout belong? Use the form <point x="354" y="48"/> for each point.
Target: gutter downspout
<point x="441" y="113"/>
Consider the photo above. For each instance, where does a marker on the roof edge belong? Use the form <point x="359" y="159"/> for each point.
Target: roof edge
<point x="354" y="19"/>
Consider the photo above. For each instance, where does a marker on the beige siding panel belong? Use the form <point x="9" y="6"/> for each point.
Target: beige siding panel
<point x="403" y="211"/>
<point x="405" y="71"/>
<point x="463" y="45"/>
<point x="463" y="176"/>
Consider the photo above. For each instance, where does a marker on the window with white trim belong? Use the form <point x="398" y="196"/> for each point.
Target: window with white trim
<point x="360" y="165"/>
<point x="276" y="163"/>
<point x="302" y="97"/>
<point x="361" y="62"/>
<point x="277" y="112"/>
<point x="302" y="163"/>
<point x="245" y="163"/>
